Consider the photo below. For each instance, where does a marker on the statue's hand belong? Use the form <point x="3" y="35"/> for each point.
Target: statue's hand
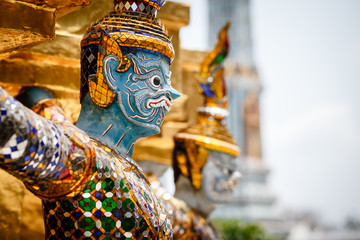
<point x="30" y="96"/>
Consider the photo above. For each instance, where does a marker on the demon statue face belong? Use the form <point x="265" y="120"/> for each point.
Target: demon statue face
<point x="219" y="177"/>
<point x="125" y="79"/>
<point x="127" y="74"/>
<point x="144" y="92"/>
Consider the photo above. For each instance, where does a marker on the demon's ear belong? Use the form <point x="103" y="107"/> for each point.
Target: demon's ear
<point x="101" y="92"/>
<point x="111" y="63"/>
<point x="198" y="157"/>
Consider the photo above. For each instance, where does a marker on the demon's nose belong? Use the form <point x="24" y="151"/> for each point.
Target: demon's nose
<point x="173" y="93"/>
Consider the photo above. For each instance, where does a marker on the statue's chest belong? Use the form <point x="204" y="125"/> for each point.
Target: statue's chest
<point x="116" y="202"/>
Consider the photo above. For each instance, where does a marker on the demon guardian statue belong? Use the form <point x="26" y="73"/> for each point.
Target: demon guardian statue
<point x="204" y="154"/>
<point x="84" y="174"/>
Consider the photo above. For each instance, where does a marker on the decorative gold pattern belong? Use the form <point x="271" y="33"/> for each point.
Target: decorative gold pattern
<point x="99" y="90"/>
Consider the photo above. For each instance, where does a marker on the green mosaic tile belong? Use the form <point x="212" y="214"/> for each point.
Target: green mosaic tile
<point x="87" y="204"/>
<point x="128" y="204"/>
<point x="108" y="185"/>
<point x="127" y="224"/>
<point x="108" y="224"/>
<point x="109" y="204"/>
<point x="123" y="186"/>
<point x="88" y="224"/>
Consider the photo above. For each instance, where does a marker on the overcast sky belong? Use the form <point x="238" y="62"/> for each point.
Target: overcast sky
<point x="308" y="56"/>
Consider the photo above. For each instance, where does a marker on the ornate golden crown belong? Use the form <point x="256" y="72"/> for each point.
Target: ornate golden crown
<point x="133" y="24"/>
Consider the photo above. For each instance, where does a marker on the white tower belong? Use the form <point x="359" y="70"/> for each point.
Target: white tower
<point x="252" y="200"/>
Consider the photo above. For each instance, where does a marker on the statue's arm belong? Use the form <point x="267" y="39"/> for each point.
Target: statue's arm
<point x="49" y="158"/>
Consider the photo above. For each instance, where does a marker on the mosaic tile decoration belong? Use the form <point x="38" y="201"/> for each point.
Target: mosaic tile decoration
<point x="187" y="223"/>
<point x="97" y="45"/>
<point x="88" y="190"/>
<point x="144" y="6"/>
<point x="88" y="71"/>
<point x="116" y="203"/>
<point x="136" y="7"/>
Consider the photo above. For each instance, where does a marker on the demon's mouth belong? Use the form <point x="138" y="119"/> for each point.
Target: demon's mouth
<point x="159" y="102"/>
<point x="226" y="184"/>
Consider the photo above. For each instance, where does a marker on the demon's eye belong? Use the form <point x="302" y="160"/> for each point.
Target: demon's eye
<point x="155" y="81"/>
